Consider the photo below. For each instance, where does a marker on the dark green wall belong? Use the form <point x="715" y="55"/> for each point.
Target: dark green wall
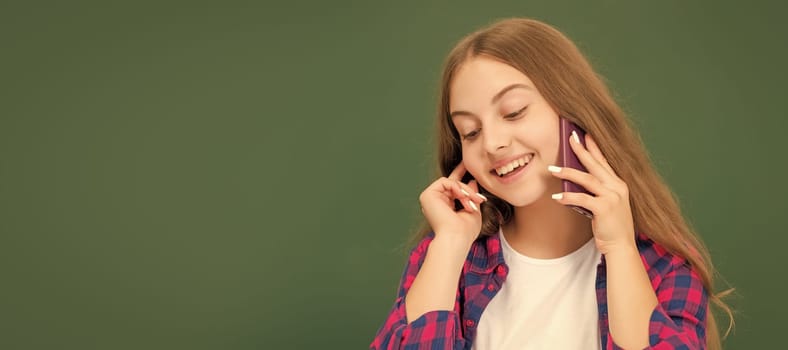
<point x="244" y="175"/>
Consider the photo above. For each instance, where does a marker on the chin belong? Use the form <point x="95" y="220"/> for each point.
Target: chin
<point x="528" y="192"/>
<point x="522" y="200"/>
<point x="521" y="197"/>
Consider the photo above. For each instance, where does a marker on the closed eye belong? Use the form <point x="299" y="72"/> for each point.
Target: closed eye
<point x="471" y="135"/>
<point x="515" y="115"/>
<point x="511" y="116"/>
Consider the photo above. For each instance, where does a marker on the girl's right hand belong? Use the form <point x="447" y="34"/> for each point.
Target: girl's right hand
<point x="437" y="204"/>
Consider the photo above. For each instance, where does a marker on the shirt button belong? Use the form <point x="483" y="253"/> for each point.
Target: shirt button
<point x="469" y="323"/>
<point x="500" y="270"/>
<point x="491" y="287"/>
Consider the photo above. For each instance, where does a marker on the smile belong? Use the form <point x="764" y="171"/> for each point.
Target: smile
<point x="510" y="167"/>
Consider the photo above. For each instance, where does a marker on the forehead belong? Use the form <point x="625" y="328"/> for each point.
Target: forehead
<point x="479" y="79"/>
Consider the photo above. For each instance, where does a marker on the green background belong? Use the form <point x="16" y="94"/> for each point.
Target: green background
<point x="244" y="175"/>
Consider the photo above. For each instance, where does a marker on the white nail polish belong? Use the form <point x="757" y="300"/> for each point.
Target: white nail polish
<point x="558" y="196"/>
<point x="464" y="192"/>
<point x="481" y="196"/>
<point x="574" y="136"/>
<point x="473" y="206"/>
<point x="553" y="169"/>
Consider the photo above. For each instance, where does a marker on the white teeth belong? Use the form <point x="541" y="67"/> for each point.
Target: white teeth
<point x="503" y="170"/>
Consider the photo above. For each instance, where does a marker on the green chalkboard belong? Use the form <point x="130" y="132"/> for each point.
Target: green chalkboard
<point x="245" y="174"/>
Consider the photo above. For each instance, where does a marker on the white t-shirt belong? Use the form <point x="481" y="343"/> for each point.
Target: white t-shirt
<point x="544" y="303"/>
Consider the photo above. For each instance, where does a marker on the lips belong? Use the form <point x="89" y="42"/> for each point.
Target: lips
<point x="512" y="166"/>
<point x="514" y="175"/>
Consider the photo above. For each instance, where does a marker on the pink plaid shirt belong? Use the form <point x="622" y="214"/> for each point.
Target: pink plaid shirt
<point x="678" y="321"/>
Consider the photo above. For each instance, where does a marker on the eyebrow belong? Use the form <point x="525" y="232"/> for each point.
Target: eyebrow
<point x="494" y="99"/>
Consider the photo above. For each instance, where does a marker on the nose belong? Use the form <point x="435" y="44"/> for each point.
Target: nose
<point x="496" y="138"/>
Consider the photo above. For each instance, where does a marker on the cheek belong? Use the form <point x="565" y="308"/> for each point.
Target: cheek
<point x="542" y="137"/>
<point x="473" y="163"/>
<point x="552" y="144"/>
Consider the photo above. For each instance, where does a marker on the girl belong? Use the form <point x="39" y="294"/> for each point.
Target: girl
<point x="514" y="267"/>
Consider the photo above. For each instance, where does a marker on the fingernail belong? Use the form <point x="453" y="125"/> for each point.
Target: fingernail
<point x="553" y="169"/>
<point x="481" y="196"/>
<point x="557" y="196"/>
<point x="574" y="136"/>
<point x="473" y="206"/>
<point x="464" y="192"/>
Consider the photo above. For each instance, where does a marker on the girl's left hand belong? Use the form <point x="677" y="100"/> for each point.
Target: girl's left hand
<point x="612" y="222"/>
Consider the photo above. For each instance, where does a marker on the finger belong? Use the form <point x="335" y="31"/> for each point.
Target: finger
<point x="472" y="192"/>
<point x="474" y="208"/>
<point x="587" y="159"/>
<point x="453" y="189"/>
<point x="447" y="191"/>
<point x="475" y="187"/>
<point x="458" y="172"/>
<point x="577" y="199"/>
<point x="468" y="204"/>
<point x="593" y="148"/>
<point x="582" y="178"/>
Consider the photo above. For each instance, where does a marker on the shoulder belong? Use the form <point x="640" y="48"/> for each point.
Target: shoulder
<point x="655" y="256"/>
<point x="662" y="264"/>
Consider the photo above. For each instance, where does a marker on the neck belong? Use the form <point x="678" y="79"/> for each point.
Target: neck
<point x="547" y="229"/>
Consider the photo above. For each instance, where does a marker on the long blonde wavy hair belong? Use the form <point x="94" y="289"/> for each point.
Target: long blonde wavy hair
<point x="569" y="84"/>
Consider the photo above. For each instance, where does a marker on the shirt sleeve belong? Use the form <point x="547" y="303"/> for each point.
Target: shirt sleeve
<point x="433" y="330"/>
<point x="679" y="319"/>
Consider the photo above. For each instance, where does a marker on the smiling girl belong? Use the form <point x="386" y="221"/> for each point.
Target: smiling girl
<point x="515" y="267"/>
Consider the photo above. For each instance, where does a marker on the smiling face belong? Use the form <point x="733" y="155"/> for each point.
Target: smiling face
<point x="509" y="133"/>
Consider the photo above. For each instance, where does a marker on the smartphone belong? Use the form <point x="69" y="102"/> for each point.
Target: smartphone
<point x="568" y="158"/>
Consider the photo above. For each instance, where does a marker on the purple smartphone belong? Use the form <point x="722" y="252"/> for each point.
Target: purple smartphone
<point x="568" y="158"/>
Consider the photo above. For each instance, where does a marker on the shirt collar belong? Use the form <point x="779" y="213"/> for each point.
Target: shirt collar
<point x="487" y="254"/>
